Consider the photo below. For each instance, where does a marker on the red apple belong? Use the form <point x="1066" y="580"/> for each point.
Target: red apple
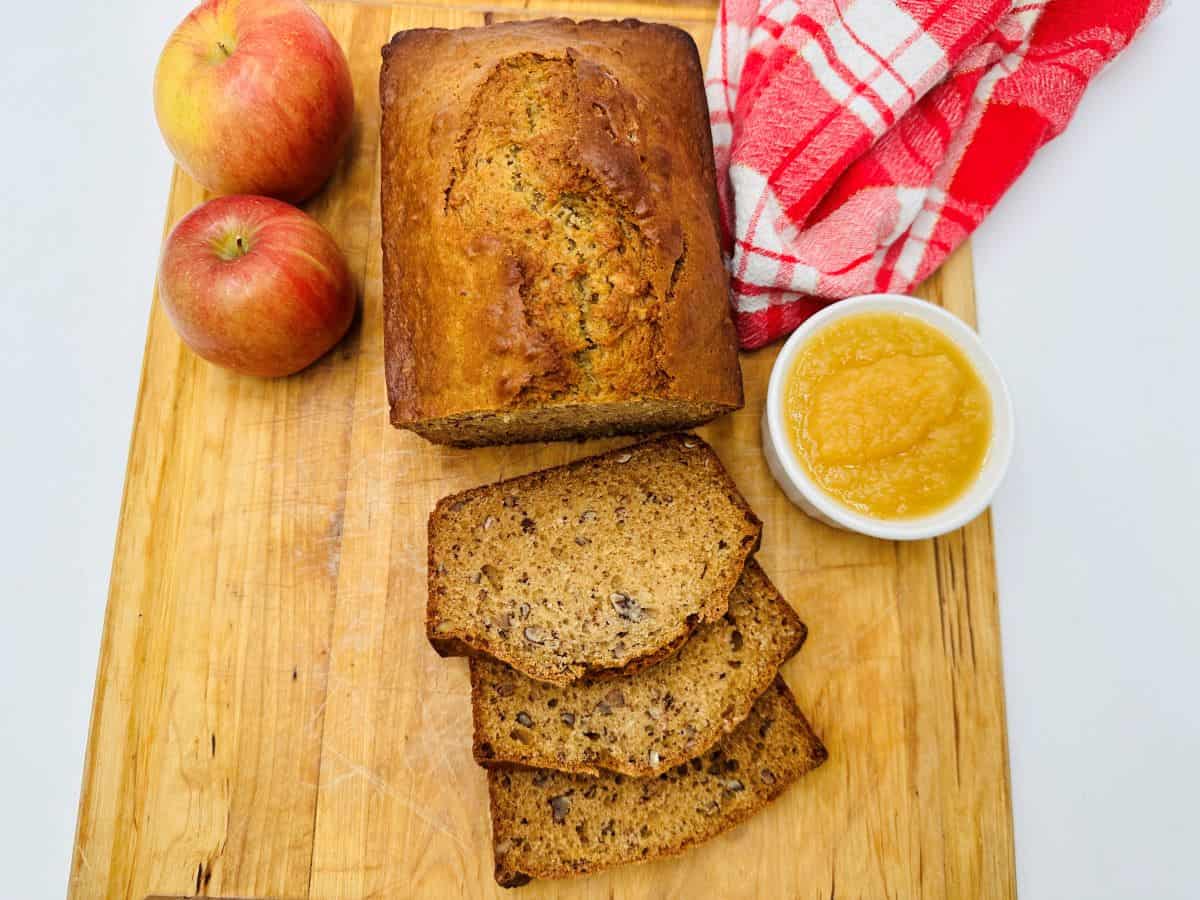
<point x="255" y="285"/>
<point x="255" y="97"/>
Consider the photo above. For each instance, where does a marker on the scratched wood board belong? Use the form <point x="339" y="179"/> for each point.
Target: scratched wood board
<point x="269" y="720"/>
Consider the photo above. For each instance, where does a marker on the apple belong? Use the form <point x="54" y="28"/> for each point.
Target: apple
<point x="255" y="285"/>
<point x="255" y="97"/>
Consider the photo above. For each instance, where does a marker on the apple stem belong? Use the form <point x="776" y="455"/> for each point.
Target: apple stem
<point x="221" y="46"/>
<point x="231" y="246"/>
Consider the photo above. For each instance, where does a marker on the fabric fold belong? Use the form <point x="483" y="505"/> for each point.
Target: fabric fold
<point x="859" y="143"/>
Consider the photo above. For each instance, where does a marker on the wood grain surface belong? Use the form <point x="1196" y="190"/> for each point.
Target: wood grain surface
<point x="269" y="720"/>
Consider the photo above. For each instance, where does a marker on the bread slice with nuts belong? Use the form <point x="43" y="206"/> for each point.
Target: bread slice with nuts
<point x="645" y="723"/>
<point x="548" y="824"/>
<point x="597" y="568"/>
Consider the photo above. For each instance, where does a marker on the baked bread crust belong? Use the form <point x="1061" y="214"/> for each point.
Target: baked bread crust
<point x="551" y="256"/>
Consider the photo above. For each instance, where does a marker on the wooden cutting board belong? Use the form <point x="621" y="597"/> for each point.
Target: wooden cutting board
<point x="269" y="720"/>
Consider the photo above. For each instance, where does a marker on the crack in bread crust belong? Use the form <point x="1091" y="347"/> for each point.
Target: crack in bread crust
<point x="551" y="153"/>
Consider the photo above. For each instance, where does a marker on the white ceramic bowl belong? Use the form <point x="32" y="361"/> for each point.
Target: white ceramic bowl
<point x="804" y="492"/>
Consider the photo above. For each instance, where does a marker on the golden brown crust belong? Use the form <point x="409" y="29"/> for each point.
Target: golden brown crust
<point x="486" y="311"/>
<point x="712" y="608"/>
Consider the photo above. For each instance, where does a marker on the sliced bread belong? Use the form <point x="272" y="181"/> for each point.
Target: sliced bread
<point x="645" y="723"/>
<point x="600" y="567"/>
<point x="549" y="824"/>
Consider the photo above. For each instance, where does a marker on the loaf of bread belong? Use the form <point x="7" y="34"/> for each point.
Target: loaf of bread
<point x="646" y="723"/>
<point x="549" y="824"/>
<point x="551" y="258"/>
<point x="600" y="567"/>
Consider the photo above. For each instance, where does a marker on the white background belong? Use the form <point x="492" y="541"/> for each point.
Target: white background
<point x="1089" y="301"/>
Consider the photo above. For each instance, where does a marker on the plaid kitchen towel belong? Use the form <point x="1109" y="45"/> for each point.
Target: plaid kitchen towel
<point x="859" y="142"/>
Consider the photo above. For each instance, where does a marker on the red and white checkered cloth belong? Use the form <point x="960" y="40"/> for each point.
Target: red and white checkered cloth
<point x="859" y="142"/>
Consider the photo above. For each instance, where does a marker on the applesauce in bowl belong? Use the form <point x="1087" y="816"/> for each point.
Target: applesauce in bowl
<point x="886" y="416"/>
